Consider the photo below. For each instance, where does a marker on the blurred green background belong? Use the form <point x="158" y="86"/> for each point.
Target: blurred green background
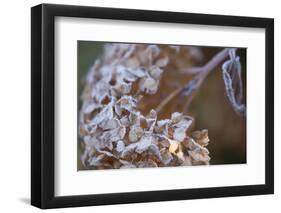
<point x="210" y="107"/>
<point x="87" y="53"/>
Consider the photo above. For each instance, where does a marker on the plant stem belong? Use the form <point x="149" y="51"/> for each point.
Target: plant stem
<point x="168" y="99"/>
<point x="210" y="65"/>
<point x="196" y="82"/>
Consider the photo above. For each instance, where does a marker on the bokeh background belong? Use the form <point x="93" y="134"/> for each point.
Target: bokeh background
<point x="210" y="106"/>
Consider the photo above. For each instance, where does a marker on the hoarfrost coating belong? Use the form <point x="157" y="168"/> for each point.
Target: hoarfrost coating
<point x="113" y="131"/>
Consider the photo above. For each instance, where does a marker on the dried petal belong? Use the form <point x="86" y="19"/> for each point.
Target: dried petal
<point x="143" y="145"/>
<point x="96" y="161"/>
<point x="136" y="132"/>
<point x="166" y="157"/>
<point x="105" y="114"/>
<point x="201" y="137"/>
<point x="90" y="107"/>
<point x="174" y="145"/>
<point x="120" y="146"/>
<point x="155" y="72"/>
<point x="126" y="103"/>
<point x="176" y="117"/>
<point x="110" y="124"/>
<point x="147" y="164"/>
<point x="123" y="88"/>
<point x="200" y="156"/>
<point x="181" y="128"/>
<point x="148" y="85"/>
<point x="162" y="62"/>
<point x="125" y="121"/>
<point x="126" y="164"/>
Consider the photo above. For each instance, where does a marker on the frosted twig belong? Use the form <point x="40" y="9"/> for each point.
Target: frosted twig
<point x="193" y="85"/>
<point x="168" y="99"/>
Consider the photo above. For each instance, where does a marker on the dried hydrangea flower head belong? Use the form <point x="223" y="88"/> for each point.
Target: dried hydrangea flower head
<point x="116" y="131"/>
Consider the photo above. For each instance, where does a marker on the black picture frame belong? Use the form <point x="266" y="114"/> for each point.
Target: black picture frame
<point x="43" y="105"/>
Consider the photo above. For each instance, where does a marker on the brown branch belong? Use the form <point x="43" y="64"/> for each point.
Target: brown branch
<point x="193" y="85"/>
<point x="170" y="97"/>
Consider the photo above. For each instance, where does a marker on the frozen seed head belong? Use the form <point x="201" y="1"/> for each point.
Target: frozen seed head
<point x="115" y="133"/>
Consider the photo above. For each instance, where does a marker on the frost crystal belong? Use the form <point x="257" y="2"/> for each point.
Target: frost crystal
<point x="115" y="133"/>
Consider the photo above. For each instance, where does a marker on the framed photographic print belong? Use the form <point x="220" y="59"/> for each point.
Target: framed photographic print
<point x="140" y="106"/>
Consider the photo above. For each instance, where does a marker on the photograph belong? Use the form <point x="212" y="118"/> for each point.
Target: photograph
<point x="160" y="105"/>
<point x="139" y="105"/>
